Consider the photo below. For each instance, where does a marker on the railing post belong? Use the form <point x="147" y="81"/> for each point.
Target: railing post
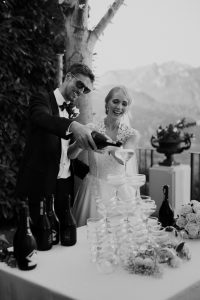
<point x="192" y="174"/>
<point x="152" y="157"/>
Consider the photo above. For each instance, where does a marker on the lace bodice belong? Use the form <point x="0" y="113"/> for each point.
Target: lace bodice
<point x="103" y="164"/>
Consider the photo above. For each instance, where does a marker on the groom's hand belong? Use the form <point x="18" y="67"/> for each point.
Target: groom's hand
<point x="82" y="135"/>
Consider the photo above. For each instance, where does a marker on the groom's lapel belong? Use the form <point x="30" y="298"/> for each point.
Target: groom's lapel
<point x="54" y="105"/>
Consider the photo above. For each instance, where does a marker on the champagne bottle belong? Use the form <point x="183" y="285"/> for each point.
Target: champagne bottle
<point x="166" y="214"/>
<point x="24" y="243"/>
<point x="68" y="228"/>
<point x="102" y="141"/>
<point x="54" y="222"/>
<point x="20" y="222"/>
<point x="43" y="229"/>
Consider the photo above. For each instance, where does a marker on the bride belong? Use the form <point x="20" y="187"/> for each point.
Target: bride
<point x="105" y="162"/>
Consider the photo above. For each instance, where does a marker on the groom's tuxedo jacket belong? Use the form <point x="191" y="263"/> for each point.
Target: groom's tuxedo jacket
<point x="40" y="164"/>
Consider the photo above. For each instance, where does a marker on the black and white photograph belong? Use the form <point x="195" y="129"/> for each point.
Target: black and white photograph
<point x="100" y="149"/>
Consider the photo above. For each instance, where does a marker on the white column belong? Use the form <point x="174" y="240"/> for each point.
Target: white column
<point x="179" y="180"/>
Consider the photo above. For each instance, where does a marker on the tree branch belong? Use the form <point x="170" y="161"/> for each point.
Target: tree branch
<point x="80" y="15"/>
<point x="105" y="20"/>
<point x="69" y="3"/>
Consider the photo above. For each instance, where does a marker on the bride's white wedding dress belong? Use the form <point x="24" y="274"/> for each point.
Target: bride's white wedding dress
<point x="95" y="184"/>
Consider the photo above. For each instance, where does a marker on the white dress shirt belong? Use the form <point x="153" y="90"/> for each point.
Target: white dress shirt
<point x="64" y="171"/>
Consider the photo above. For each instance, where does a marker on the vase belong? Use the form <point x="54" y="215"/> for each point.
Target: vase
<point x="169" y="147"/>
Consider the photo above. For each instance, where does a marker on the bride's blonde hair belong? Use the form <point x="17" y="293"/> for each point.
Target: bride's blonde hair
<point x="113" y="91"/>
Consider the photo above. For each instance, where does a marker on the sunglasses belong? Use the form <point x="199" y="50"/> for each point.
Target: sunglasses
<point x="80" y="85"/>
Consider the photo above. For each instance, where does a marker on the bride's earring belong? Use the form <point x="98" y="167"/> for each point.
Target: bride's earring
<point x="107" y="109"/>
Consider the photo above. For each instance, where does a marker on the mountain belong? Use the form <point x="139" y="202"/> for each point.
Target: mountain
<point x="161" y="94"/>
<point x="168" y="83"/>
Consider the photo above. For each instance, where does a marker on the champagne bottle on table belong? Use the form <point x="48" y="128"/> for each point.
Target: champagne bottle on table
<point x="102" y="141"/>
<point x="54" y="222"/>
<point x="68" y="228"/>
<point x="24" y="243"/>
<point x="43" y="230"/>
<point x="166" y="214"/>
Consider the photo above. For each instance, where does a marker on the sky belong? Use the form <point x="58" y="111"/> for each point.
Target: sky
<point x="147" y="31"/>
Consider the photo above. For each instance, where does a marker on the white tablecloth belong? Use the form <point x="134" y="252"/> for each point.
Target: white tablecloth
<point x="66" y="273"/>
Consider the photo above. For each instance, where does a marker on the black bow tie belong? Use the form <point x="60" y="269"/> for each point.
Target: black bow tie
<point x="64" y="106"/>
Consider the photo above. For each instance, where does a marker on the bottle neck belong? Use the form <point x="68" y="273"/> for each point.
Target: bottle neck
<point x="166" y="192"/>
<point x="42" y="208"/>
<point x="25" y="218"/>
<point x="50" y="205"/>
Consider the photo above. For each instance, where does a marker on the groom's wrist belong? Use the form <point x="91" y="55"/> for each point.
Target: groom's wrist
<point x="69" y="130"/>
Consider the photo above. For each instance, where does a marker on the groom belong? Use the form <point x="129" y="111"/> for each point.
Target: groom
<point x="45" y="167"/>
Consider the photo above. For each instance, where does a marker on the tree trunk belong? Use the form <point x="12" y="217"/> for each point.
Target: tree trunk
<point x="80" y="41"/>
<point x="79" y="45"/>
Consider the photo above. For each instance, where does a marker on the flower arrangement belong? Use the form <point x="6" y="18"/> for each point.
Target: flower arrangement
<point x="174" y="132"/>
<point x="172" y="252"/>
<point x="144" y="262"/>
<point x="175" y="250"/>
<point x="188" y="220"/>
<point x="73" y="112"/>
<point x="72" y="109"/>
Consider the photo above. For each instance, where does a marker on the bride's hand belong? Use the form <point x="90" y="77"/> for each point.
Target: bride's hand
<point x="101" y="151"/>
<point x="106" y="149"/>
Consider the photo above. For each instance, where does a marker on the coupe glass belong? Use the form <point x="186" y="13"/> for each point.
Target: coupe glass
<point x="135" y="182"/>
<point x="96" y="229"/>
<point x="115" y="204"/>
<point x="147" y="206"/>
<point x="125" y="155"/>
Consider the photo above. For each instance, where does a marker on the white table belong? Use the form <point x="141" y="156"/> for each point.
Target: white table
<point x="66" y="273"/>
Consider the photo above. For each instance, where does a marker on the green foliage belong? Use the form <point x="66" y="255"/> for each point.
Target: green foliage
<point x="29" y="40"/>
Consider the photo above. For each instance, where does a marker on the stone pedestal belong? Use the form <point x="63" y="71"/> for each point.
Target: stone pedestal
<point x="179" y="180"/>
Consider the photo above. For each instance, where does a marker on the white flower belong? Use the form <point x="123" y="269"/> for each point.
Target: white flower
<point x="198" y="217"/>
<point x="166" y="254"/>
<point x="148" y="262"/>
<point x="185" y="253"/>
<point x="185" y="235"/>
<point x="192" y="229"/>
<point x="185" y="209"/>
<point x="191" y="217"/>
<point x="175" y="262"/>
<point x="181" y="222"/>
<point x="139" y="261"/>
<point x="195" y="205"/>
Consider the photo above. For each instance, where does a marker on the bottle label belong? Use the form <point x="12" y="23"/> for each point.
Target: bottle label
<point x="69" y="235"/>
<point x="32" y="258"/>
<point x="50" y="239"/>
<point x="54" y="235"/>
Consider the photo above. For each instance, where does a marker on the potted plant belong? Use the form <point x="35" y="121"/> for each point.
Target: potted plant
<point x="172" y="140"/>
